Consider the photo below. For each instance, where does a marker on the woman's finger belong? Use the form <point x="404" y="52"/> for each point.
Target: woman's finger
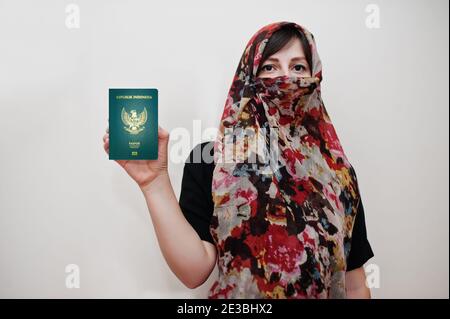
<point x="162" y="133"/>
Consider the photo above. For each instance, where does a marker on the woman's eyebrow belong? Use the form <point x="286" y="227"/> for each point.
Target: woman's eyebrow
<point x="272" y="60"/>
<point x="299" y="58"/>
<point x="295" y="59"/>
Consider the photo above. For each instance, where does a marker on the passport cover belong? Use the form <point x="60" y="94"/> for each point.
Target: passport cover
<point x="133" y="124"/>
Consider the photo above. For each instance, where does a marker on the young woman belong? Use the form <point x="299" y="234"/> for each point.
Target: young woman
<point x="283" y="218"/>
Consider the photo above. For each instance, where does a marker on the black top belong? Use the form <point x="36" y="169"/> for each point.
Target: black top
<point x="197" y="205"/>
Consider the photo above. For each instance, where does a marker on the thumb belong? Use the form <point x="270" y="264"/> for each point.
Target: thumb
<point x="162" y="133"/>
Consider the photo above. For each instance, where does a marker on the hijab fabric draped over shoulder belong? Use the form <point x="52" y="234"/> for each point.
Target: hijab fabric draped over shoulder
<point x="285" y="195"/>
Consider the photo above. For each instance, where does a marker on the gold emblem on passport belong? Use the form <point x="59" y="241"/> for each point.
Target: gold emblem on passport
<point x="134" y="122"/>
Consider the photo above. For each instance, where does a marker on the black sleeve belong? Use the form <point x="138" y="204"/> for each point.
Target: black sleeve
<point x="195" y="196"/>
<point x="360" y="249"/>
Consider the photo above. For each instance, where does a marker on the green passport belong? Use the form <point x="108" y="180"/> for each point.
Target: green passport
<point x="133" y="124"/>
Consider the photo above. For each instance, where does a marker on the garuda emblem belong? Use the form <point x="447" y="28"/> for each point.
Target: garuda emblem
<point x="134" y="122"/>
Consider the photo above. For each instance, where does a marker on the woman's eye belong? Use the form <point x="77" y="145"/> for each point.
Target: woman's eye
<point x="299" y="67"/>
<point x="267" y="67"/>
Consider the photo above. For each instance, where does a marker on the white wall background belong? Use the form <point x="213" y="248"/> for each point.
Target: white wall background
<point x="62" y="201"/>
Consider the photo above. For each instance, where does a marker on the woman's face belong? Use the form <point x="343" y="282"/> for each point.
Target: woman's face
<point x="289" y="61"/>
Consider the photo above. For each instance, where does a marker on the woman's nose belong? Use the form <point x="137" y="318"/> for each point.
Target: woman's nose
<point x="285" y="71"/>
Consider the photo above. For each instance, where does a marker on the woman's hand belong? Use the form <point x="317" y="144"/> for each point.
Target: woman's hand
<point x="145" y="171"/>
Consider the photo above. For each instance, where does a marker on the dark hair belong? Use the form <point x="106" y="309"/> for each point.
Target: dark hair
<point x="280" y="38"/>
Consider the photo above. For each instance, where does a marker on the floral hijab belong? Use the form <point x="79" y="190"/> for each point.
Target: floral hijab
<point x="285" y="195"/>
